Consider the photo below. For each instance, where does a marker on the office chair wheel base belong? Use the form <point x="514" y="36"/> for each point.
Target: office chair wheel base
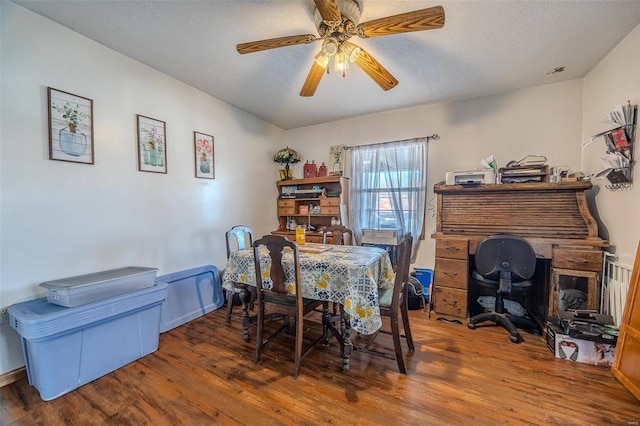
<point x="471" y="325"/>
<point x="515" y="338"/>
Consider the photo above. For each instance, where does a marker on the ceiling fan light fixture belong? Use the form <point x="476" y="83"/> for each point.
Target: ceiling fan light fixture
<point x="322" y="58"/>
<point x="350" y="50"/>
<point x="330" y="46"/>
<point x="340" y="62"/>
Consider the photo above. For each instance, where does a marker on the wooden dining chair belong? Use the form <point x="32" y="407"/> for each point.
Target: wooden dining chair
<point x="338" y="233"/>
<point x="393" y="305"/>
<point x="239" y="238"/>
<point x="277" y="298"/>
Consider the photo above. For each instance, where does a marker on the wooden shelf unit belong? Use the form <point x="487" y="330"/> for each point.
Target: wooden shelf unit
<point x="337" y="190"/>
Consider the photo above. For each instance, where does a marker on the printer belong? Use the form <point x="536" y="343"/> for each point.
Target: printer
<point x="471" y="177"/>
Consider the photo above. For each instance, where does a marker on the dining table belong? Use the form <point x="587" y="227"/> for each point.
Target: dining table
<point x="344" y="274"/>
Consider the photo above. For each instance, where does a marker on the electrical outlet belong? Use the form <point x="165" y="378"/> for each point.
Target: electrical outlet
<point x="4" y="315"/>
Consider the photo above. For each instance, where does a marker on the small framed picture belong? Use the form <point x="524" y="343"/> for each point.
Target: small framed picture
<point x="70" y="127"/>
<point x="337" y="154"/>
<point x="283" y="174"/>
<point x="152" y="145"/>
<point x="204" y="155"/>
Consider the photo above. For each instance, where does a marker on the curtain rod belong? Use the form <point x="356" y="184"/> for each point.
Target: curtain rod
<point x="434" y="137"/>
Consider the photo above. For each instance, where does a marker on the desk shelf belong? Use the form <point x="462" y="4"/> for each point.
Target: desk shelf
<point x="332" y="204"/>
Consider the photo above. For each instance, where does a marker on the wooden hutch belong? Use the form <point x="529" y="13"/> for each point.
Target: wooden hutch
<point x="313" y="202"/>
<point x="553" y="217"/>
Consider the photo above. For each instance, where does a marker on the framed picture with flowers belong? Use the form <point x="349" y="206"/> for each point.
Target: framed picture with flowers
<point x="152" y="145"/>
<point x="70" y="127"/>
<point x="204" y="155"/>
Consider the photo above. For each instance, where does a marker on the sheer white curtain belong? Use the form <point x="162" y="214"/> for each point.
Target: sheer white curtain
<point x="389" y="187"/>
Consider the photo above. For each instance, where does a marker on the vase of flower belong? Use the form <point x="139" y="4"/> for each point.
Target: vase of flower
<point x="160" y="156"/>
<point x="204" y="163"/>
<point x="153" y="154"/>
<point x="146" y="155"/>
<point x="72" y="142"/>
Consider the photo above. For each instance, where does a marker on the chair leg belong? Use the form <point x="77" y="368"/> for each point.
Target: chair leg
<point x="246" y="321"/>
<point x="259" y="327"/>
<point x="407" y="327"/>
<point x="229" y="306"/>
<point x="498" y="319"/>
<point x="298" y="354"/>
<point x="325" y="323"/>
<point x="395" y="333"/>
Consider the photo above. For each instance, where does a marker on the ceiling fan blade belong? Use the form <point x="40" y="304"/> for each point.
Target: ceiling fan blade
<point x="328" y="10"/>
<point x="313" y="79"/>
<point x="418" y="20"/>
<point x="272" y="43"/>
<point x="377" y="72"/>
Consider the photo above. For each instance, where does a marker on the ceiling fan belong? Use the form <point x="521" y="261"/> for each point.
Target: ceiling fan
<point x="337" y="21"/>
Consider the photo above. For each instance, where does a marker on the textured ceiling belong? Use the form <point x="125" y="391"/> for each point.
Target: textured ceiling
<point x="484" y="47"/>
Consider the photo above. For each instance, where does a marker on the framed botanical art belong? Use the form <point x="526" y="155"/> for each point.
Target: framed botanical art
<point x="70" y="127"/>
<point x="204" y="155"/>
<point x="152" y="145"/>
<point x="337" y="154"/>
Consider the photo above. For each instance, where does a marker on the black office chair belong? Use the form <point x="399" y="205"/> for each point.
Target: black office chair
<point x="505" y="263"/>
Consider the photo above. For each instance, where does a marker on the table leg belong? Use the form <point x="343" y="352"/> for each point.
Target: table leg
<point x="347" y="346"/>
<point x="244" y="299"/>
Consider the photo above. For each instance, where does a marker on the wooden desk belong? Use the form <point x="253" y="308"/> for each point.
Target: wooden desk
<point x="553" y="217"/>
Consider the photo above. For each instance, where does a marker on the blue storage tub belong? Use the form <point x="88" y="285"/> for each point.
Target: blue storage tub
<point x="65" y="348"/>
<point x="425" y="276"/>
<point x="191" y="294"/>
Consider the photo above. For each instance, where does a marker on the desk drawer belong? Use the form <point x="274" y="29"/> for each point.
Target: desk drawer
<point x="582" y="260"/>
<point x="330" y="210"/>
<point x="450" y="301"/>
<point x="286" y="203"/>
<point x="330" y="201"/>
<point x="451" y="248"/>
<point x="286" y="211"/>
<point x="451" y="273"/>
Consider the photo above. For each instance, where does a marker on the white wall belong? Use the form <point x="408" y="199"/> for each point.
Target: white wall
<point x="614" y="81"/>
<point x="544" y="120"/>
<point x="61" y="219"/>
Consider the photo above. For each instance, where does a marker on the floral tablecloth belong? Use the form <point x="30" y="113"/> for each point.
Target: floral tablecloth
<point x="349" y="275"/>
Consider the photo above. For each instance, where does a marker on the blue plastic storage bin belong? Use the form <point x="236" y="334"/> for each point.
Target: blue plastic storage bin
<point x="192" y="293"/>
<point x="425" y="276"/>
<point x="65" y="348"/>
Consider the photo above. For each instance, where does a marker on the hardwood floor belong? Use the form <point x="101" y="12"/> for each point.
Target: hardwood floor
<point x="203" y="373"/>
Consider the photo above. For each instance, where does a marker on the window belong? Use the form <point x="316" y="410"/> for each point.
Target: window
<point x="388" y="187"/>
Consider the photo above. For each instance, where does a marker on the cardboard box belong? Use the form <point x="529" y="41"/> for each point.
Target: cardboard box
<point x="573" y="349"/>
